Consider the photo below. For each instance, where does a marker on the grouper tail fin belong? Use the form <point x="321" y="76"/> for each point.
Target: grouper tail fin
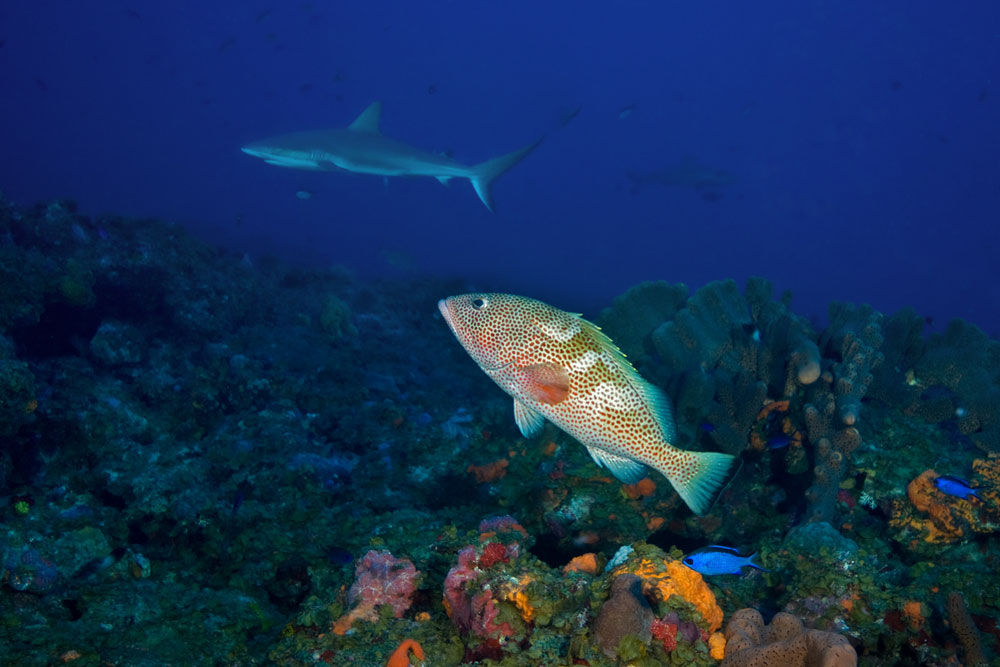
<point x="483" y="174"/>
<point x="700" y="477"/>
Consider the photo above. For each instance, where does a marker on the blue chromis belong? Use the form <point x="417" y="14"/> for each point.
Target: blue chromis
<point x="953" y="486"/>
<point x="716" y="559"/>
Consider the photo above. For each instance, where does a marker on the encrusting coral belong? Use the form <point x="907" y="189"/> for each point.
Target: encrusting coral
<point x="929" y="515"/>
<point x="380" y="579"/>
<point x="664" y="578"/>
<point x="750" y="643"/>
<point x="626" y="612"/>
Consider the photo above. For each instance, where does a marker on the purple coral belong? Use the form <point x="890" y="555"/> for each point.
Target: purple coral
<point x="26" y="570"/>
<point x="381" y="578"/>
<point x="472" y="613"/>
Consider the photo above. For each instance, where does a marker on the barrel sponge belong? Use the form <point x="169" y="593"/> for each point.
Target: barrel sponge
<point x="750" y="643"/>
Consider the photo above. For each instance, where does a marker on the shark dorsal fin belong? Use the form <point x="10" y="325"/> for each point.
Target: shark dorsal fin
<point x="367" y="121"/>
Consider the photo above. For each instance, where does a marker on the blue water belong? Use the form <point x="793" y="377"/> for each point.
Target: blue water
<point x="862" y="140"/>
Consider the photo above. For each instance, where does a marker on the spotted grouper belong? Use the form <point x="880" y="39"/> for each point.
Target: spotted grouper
<point x="558" y="366"/>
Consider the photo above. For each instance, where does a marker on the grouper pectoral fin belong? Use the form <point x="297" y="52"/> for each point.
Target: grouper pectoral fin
<point x="626" y="470"/>
<point x="546" y="382"/>
<point x="529" y="421"/>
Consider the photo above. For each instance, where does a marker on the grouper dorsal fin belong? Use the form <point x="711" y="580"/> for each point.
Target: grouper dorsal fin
<point x="652" y="395"/>
<point x="368" y="120"/>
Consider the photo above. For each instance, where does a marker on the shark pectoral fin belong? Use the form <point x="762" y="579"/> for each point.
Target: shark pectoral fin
<point x="626" y="470"/>
<point x="443" y="180"/>
<point x="368" y="120"/>
<point x="529" y="421"/>
<point x="546" y="383"/>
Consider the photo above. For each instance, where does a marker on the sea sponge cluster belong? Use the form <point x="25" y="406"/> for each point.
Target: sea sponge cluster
<point x="663" y="578"/>
<point x="751" y="643"/>
<point x="934" y="517"/>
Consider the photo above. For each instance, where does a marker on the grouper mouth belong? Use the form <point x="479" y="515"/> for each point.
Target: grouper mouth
<point x="446" y="314"/>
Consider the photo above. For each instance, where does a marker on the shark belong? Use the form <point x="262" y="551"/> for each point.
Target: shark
<point x="688" y="173"/>
<point x="361" y="148"/>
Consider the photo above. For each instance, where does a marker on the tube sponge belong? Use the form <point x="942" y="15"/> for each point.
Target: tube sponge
<point x="806" y="362"/>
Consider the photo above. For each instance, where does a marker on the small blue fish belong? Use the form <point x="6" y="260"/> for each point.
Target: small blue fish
<point x="953" y="486"/>
<point x="339" y="556"/>
<point x="716" y="559"/>
<point x="778" y="441"/>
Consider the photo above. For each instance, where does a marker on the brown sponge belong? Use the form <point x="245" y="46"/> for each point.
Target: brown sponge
<point x="750" y="643"/>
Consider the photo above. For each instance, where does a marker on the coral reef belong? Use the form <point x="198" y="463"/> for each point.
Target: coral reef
<point x="226" y="459"/>
<point x="929" y="515"/>
<point x="401" y="656"/>
<point x="379" y="579"/>
<point x="17" y="391"/>
<point x="965" y="629"/>
<point x="625" y="612"/>
<point x="853" y="340"/>
<point x="750" y="643"/>
<point x="966" y="362"/>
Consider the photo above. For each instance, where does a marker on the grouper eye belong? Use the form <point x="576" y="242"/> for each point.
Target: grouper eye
<point x="479" y="303"/>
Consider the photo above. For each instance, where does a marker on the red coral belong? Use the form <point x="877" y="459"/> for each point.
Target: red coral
<point x="475" y="613"/>
<point x="493" y="553"/>
<point x="666" y="632"/>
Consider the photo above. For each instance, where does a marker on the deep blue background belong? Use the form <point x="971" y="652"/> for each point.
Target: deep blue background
<point x="864" y="140"/>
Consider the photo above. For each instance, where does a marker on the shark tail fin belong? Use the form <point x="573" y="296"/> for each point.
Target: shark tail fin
<point x="483" y="174"/>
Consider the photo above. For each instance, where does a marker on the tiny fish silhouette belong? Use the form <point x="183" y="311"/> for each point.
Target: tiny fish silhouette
<point x="558" y="366"/>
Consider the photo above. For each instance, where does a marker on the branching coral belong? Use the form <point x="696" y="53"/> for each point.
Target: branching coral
<point x="851" y="344"/>
<point x="726" y="352"/>
<point x="967" y="362"/>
